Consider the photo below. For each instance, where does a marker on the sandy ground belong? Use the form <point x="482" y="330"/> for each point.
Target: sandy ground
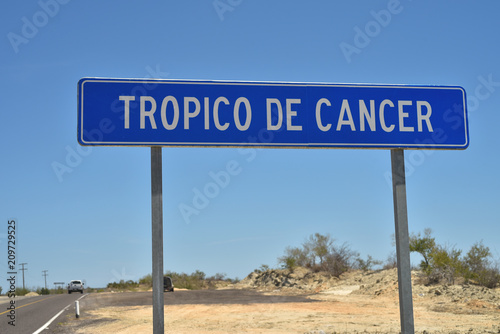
<point x="357" y="302"/>
<point x="337" y="312"/>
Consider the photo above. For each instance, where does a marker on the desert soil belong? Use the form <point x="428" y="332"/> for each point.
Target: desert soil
<point x="355" y="303"/>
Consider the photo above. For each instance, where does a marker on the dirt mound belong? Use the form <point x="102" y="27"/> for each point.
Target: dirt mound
<point x="300" y="279"/>
<point x="386" y="282"/>
<point x="454" y="298"/>
<point x="465" y="292"/>
<point x="32" y="294"/>
<point x="303" y="279"/>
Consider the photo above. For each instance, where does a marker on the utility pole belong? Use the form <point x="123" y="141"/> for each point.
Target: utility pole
<point x="45" y="275"/>
<point x="23" y="269"/>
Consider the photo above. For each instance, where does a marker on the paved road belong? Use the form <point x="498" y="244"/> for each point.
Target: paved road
<point x="203" y="297"/>
<point x="31" y="313"/>
<point x="199" y="297"/>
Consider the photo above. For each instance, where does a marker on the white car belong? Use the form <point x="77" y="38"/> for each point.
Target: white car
<point x="75" y="286"/>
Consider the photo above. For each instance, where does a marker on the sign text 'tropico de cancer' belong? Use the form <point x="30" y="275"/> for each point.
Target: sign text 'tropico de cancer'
<point x="135" y="112"/>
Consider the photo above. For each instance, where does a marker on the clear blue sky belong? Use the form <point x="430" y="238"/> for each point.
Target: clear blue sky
<point x="94" y="223"/>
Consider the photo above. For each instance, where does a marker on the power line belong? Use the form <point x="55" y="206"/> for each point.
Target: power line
<point x="23" y="269"/>
<point x="45" y="275"/>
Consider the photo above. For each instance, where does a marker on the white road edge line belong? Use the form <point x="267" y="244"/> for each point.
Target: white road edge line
<point x="55" y="317"/>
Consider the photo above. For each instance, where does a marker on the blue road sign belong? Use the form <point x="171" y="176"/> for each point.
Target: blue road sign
<point x="135" y="112"/>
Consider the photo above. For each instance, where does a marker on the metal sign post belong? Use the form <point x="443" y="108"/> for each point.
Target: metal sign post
<point x="402" y="241"/>
<point x="157" y="230"/>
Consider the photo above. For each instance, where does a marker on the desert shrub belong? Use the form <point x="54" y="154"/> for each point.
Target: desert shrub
<point x="320" y="253"/>
<point x="22" y="291"/>
<point x="444" y="263"/>
<point x="198" y="274"/>
<point x="194" y="281"/>
<point x="476" y="261"/>
<point x="294" y="257"/>
<point x="218" y="277"/>
<point x="264" y="268"/>
<point x="59" y="291"/>
<point x="185" y="281"/>
<point x="123" y="285"/>
<point x="146" y="280"/>
<point x="489" y="277"/>
<point x="367" y="264"/>
<point x="424" y="245"/>
<point x="340" y="259"/>
<point x="319" y="247"/>
<point x="261" y="269"/>
<point x="289" y="263"/>
<point x="391" y="262"/>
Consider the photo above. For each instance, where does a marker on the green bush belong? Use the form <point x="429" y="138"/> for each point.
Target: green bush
<point x="320" y="253"/>
<point x="185" y="281"/>
<point x="22" y="291"/>
<point x="263" y="268"/>
<point x="194" y="281"/>
<point x="289" y="263"/>
<point x="367" y="264"/>
<point x="489" y="277"/>
<point x="441" y="263"/>
<point x="123" y="285"/>
<point x="391" y="262"/>
<point x="218" y="277"/>
<point x="444" y="265"/>
<point x="59" y="291"/>
<point x="476" y="261"/>
<point x="424" y="245"/>
<point x="147" y="280"/>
